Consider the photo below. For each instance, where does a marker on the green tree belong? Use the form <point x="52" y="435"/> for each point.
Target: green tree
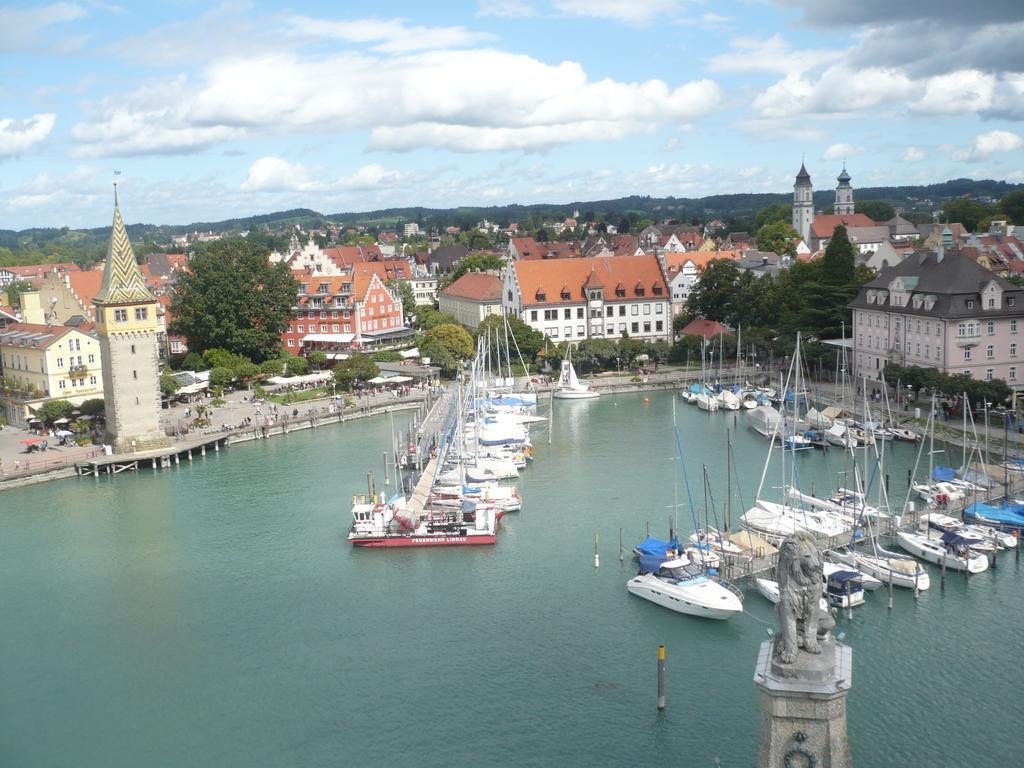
<point x="778" y="237"/>
<point x="54" y="410"/>
<point x="447" y="345"/>
<point x="1012" y="206"/>
<point x="94" y="406"/>
<point x="317" y="359"/>
<point x="273" y="367"/>
<point x="296" y="366"/>
<point x="430" y="317"/>
<point x="714" y="294"/>
<point x="527" y="339"/>
<point x="14" y="291"/>
<point x="965" y="211"/>
<point x="168" y="384"/>
<point x="403" y="289"/>
<point x="838" y="263"/>
<point x="356" y="369"/>
<point x="232" y="297"/>
<point x="876" y="210"/>
<point x="221" y="377"/>
<point x="193" y="362"/>
<point x="772" y="214"/>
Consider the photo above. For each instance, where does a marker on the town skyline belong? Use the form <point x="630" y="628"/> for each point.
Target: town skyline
<point x="220" y="112"/>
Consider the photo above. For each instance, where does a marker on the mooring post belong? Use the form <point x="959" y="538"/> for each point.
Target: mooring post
<point x="202" y="450"/>
<point x="942" y="578"/>
<point x="661" y="677"/>
<point x="620" y="545"/>
<point x="890" y="586"/>
<point x="597" y="557"/>
<point x="216" y="445"/>
<point x="189" y="454"/>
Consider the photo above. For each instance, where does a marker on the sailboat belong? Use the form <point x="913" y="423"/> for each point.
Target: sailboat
<point x="569" y="386"/>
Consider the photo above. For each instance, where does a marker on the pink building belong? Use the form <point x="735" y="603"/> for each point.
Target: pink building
<point x="940" y="310"/>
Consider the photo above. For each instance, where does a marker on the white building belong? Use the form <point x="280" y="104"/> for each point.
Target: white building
<point x="411" y="229"/>
<point x="584" y="298"/>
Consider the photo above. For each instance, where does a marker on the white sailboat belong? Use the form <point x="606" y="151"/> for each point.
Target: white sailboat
<point x="569" y="386"/>
<point x="886" y="566"/>
<point x="951" y="548"/>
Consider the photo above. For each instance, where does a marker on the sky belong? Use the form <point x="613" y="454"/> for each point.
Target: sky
<point x="211" y="111"/>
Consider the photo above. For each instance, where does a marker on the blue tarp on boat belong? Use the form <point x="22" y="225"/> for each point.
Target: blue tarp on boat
<point x="1006" y="514"/>
<point x="943" y="474"/>
<point x="653" y="546"/>
<point x="954" y="539"/>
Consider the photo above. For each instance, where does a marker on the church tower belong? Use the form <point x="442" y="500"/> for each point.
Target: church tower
<point x="803" y="204"/>
<point x="126" y="323"/>
<point x="844" y="194"/>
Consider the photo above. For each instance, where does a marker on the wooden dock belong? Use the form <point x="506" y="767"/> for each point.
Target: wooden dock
<point x="162" y="458"/>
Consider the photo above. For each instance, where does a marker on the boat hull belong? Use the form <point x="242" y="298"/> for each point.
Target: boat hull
<point x="722" y="604"/>
<point x="570" y="395"/>
<point x="446" y="540"/>
<point x="920" y="546"/>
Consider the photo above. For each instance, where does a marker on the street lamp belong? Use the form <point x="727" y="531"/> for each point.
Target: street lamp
<point x="618" y="369"/>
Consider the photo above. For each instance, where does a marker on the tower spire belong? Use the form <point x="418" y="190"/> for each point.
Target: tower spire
<point x="122" y="279"/>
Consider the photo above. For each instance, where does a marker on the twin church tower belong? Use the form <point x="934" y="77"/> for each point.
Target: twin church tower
<point x="803" y="201"/>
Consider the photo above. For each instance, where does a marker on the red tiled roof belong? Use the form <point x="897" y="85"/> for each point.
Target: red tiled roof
<point x="825" y="224"/>
<point x="50" y="333"/>
<point x="707" y="328"/>
<point x="675" y="261"/>
<point x="86" y="285"/>
<point x="550" y="275"/>
<point x="475" y="286"/>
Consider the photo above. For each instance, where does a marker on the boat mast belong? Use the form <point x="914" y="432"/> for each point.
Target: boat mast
<point x="728" y="481"/>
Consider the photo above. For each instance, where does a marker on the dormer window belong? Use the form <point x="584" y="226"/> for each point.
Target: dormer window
<point x="304" y="287"/>
<point x="620" y="290"/>
<point x="970" y="303"/>
<point x="639" y="289"/>
<point x="656" y="288"/>
<point x="540" y="295"/>
<point x="565" y="293"/>
<point x="1010" y="301"/>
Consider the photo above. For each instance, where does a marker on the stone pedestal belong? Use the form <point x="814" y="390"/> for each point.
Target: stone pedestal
<point x="803" y="707"/>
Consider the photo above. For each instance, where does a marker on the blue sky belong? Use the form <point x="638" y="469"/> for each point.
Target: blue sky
<point x="218" y="110"/>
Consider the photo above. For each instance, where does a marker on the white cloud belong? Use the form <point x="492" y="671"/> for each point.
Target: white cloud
<point x="472" y="100"/>
<point x="913" y="155"/>
<point x="842" y="151"/>
<point x="272" y="174"/>
<point x="773" y="54"/>
<point x="628" y="11"/>
<point x="992" y="142"/>
<point x="389" y="36"/>
<point x="370" y="177"/>
<point x="956" y="93"/>
<point x="17" y="136"/>
<point x="77" y="189"/>
<point x="751" y="172"/>
<point x="19" y="27"/>
<point x="509" y="9"/>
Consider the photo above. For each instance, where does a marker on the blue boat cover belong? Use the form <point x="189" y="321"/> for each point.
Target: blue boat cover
<point x="841" y="577"/>
<point x="954" y="539"/>
<point x="943" y="474"/>
<point x="653" y="546"/>
<point x="1010" y="514"/>
<point x="651" y="563"/>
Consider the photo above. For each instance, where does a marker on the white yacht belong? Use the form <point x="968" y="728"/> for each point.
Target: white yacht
<point x="950" y="547"/>
<point x="867" y="581"/>
<point x="681" y="586"/>
<point x="886" y="566"/>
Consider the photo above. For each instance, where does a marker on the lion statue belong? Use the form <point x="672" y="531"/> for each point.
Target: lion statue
<point x="803" y="623"/>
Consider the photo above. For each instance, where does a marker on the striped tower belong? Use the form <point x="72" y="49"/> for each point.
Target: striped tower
<point x="126" y="324"/>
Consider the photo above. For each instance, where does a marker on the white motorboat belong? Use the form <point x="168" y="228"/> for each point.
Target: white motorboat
<point x="844" y="503"/>
<point x="681" y="586"/>
<point x="886" y="566"/>
<point x="838" y="435"/>
<point x="749" y="402"/>
<point x="728" y="401"/>
<point x="706" y="401"/>
<point x="769" y="589"/>
<point x="868" y="582"/>
<point x="990" y="539"/>
<point x="940" y="493"/>
<point x="763" y="420"/>
<point x="569" y="387"/>
<point x="953" y="549"/>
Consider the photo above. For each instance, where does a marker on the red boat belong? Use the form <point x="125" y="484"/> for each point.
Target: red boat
<point x="379" y="524"/>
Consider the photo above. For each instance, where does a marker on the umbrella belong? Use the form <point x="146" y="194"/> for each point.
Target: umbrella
<point x="30" y="440"/>
<point x="63" y="433"/>
<point x="60" y="421"/>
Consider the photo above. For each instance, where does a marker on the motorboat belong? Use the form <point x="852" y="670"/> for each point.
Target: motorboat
<point x="1007" y="515"/>
<point x="683" y="587"/>
<point x="989" y="538"/>
<point x="886" y="567"/>
<point x="951" y="548"/>
<point x="748" y="401"/>
<point x="706" y="401"/>
<point x="867" y="581"/>
<point x="844" y="588"/>
<point x="764" y="420"/>
<point x="728" y="401"/>
<point x="839" y="435"/>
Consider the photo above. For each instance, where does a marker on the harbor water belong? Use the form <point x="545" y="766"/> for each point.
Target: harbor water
<point x="213" y="614"/>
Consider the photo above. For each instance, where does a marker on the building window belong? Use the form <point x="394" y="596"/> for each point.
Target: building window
<point x="1011" y="301"/>
<point x="533" y="315"/>
<point x="553" y="333"/>
<point x="1013" y="350"/>
<point x="622" y="311"/>
<point x="121" y="315"/>
<point x="610" y="330"/>
<point x="133" y="349"/>
<point x="991" y="302"/>
<point x="635" y="310"/>
<point x="1013" y="373"/>
<point x="580" y="330"/>
<point x="141" y="313"/>
<point x="334" y="327"/>
<point x="92" y="358"/>
<point x="967" y="354"/>
<point x="135" y="374"/>
<point x="970" y="304"/>
<point x="567" y="313"/>
<point x="291" y="342"/>
<point x="60" y="362"/>
<point x="1013" y="326"/>
<point x="61" y="384"/>
<point x="991" y="328"/>
<point x="579" y="313"/>
<point x="990" y="352"/>
<point x="92" y="379"/>
<point x="647" y="309"/>
<point x="568" y="331"/>
<point x="636" y="327"/>
<point x="647" y="327"/>
<point x="300" y="329"/>
<point x="659" y="326"/>
<point x="989" y="374"/>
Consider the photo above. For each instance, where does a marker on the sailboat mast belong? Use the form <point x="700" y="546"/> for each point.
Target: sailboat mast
<point x="728" y="481"/>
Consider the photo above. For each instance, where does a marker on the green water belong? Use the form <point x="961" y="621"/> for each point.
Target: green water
<point x="214" y="615"/>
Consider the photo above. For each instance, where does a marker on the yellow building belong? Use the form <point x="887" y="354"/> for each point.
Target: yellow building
<point x="46" y="362"/>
